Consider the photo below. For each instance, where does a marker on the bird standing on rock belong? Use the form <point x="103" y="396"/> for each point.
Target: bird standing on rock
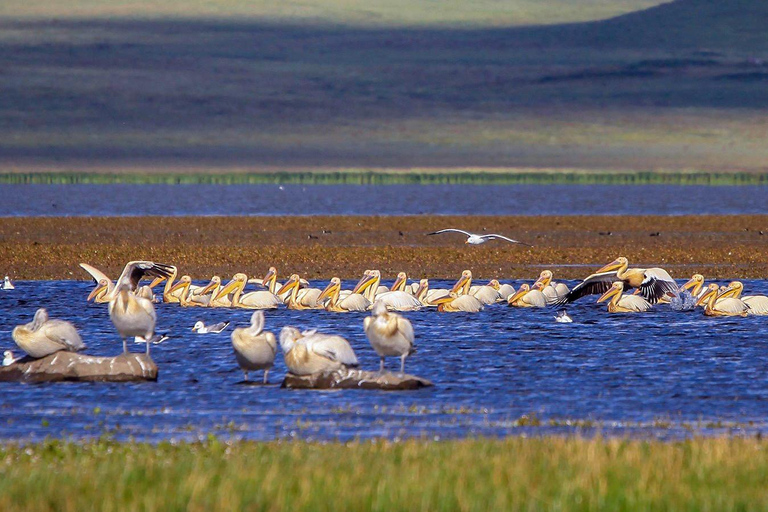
<point x="254" y="349"/>
<point x="42" y="336"/>
<point x="389" y="334"/>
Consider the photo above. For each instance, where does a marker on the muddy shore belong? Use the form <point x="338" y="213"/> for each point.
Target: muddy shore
<point x="320" y="247"/>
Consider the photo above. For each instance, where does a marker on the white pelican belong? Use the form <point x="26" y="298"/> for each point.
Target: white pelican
<point x="261" y="299"/>
<point x="198" y="296"/>
<point x="528" y="296"/>
<point x="727" y="306"/>
<point x="758" y="304"/>
<point x="487" y="294"/>
<point x="296" y="300"/>
<point x="130" y="314"/>
<point x="8" y="358"/>
<point x="397" y="300"/>
<point x="104" y="286"/>
<point x="505" y="290"/>
<point x="43" y="337"/>
<point x="254" y="349"/>
<point x="551" y="290"/>
<point x="427" y="296"/>
<point x="653" y="283"/>
<point x="476" y="239"/>
<point x="352" y="301"/>
<point x="312" y="352"/>
<point x="453" y="303"/>
<point x="100" y="294"/>
<point x="623" y="303"/>
<point x="7" y="284"/>
<point x="201" y="328"/>
<point x="389" y="334"/>
<point x="562" y="317"/>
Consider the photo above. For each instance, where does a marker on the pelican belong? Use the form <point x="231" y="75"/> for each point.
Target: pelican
<point x="454" y="303"/>
<point x="352" y="301"/>
<point x="133" y="315"/>
<point x="312" y="352"/>
<point x="396" y="300"/>
<point x="427" y="296"/>
<point x="254" y="349"/>
<point x="528" y="296"/>
<point x="727" y="306"/>
<point x="505" y="291"/>
<point x="104" y="286"/>
<point x="261" y="299"/>
<point x="487" y="294"/>
<point x="695" y="284"/>
<point x="294" y="300"/>
<point x="551" y="290"/>
<point x="8" y="358"/>
<point x="7" y="284"/>
<point x="758" y="304"/>
<point x="389" y="334"/>
<point x="302" y="294"/>
<point x="201" y="328"/>
<point x="623" y="303"/>
<point x="43" y="337"/>
<point x="653" y="283"/>
<point x="475" y="239"/>
<point x="562" y="317"/>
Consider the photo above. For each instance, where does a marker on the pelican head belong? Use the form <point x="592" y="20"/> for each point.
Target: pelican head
<point x="421" y="291"/>
<point x="212" y="285"/>
<point x="524" y="288"/>
<point x="379" y="308"/>
<point x="184" y="282"/>
<point x="712" y="289"/>
<point x="198" y="325"/>
<point x="369" y="278"/>
<point x="269" y="277"/>
<point x="238" y="281"/>
<point x="399" y="284"/>
<point x="288" y="338"/>
<point x="332" y="289"/>
<point x="362" y="281"/>
<point x="544" y="278"/>
<point x="735" y="288"/>
<point x="696" y="281"/>
<point x="616" y="264"/>
<point x="494" y="283"/>
<point x="293" y="282"/>
<point x="101" y="287"/>
<point x="616" y="288"/>
<point x="464" y="281"/>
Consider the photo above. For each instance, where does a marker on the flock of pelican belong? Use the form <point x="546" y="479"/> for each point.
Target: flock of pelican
<point x="132" y="311"/>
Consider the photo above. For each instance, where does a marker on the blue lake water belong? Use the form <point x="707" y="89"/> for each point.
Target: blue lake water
<point x="624" y="372"/>
<point x="107" y="200"/>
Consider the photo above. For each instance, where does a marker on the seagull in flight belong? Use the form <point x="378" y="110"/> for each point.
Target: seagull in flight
<point x="476" y="239"/>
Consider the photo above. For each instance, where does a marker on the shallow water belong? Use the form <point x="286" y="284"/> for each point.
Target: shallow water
<point x="107" y="200"/>
<point x="661" y="374"/>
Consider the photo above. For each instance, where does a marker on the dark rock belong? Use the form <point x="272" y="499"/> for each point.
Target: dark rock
<point x="71" y="366"/>
<point x="355" y="379"/>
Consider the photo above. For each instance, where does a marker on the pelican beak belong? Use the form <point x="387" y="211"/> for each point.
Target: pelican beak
<point x="271" y="276"/>
<point x="728" y="292"/>
<point x="459" y="284"/>
<point x="705" y="297"/>
<point x="95" y="292"/>
<point x="607" y="295"/>
<point x="397" y="283"/>
<point x="518" y="294"/>
<point x="331" y="288"/>
<point x="179" y="286"/>
<point x="289" y="285"/>
<point x="210" y="286"/>
<point x="156" y="281"/>
<point x="229" y="288"/>
<point x="443" y="300"/>
<point x="364" y="283"/>
<point x="614" y="265"/>
<point x="690" y="284"/>
<point x="544" y="281"/>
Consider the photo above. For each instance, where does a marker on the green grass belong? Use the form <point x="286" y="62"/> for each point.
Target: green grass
<point x="408" y="177"/>
<point x="548" y="473"/>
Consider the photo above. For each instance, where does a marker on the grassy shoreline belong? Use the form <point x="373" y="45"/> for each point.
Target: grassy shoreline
<point x="477" y="474"/>
<point x="393" y="177"/>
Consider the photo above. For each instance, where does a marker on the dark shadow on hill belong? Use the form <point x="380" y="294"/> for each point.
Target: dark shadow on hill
<point x="114" y="82"/>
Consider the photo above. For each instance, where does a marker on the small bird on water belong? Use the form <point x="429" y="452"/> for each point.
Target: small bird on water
<point x="7" y="284"/>
<point x="8" y="358"/>
<point x="475" y="239"/>
<point x="201" y="328"/>
<point x="563" y="318"/>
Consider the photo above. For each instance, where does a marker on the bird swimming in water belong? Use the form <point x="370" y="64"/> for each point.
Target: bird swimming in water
<point x="476" y="239"/>
<point x="201" y="328"/>
<point x="562" y="317"/>
<point x="7" y="284"/>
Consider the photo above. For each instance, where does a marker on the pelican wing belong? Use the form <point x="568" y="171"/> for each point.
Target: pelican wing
<point x="592" y="285"/>
<point x="758" y="304"/>
<point x="135" y="270"/>
<point x="218" y="327"/>
<point x="493" y="236"/>
<point x="731" y="305"/>
<point x="95" y="273"/>
<point x="64" y="334"/>
<point x="405" y="328"/>
<point x="334" y="348"/>
<point x="634" y="302"/>
<point x="450" y="230"/>
<point x="656" y="284"/>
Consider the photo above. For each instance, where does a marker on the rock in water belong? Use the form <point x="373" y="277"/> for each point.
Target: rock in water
<point x="72" y="366"/>
<point x="355" y="379"/>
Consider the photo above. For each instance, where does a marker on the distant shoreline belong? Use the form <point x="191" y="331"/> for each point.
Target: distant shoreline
<point x="391" y="177"/>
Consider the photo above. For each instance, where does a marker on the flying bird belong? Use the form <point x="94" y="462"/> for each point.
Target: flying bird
<point x="475" y="239"/>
